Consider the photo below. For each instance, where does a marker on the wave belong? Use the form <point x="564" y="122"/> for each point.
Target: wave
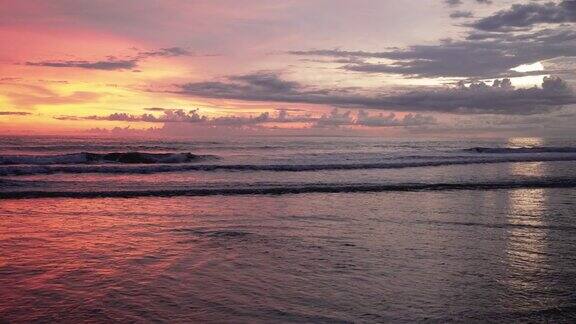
<point x="299" y="189"/>
<point x="95" y="158"/>
<point x="91" y="147"/>
<point x="21" y="170"/>
<point x="512" y="150"/>
<point x="498" y="225"/>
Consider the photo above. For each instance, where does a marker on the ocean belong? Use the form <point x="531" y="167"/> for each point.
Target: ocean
<point x="287" y="230"/>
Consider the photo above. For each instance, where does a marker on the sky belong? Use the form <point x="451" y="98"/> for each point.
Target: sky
<point x="430" y="68"/>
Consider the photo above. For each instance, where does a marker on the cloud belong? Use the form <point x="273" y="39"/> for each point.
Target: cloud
<point x="499" y="98"/>
<point x="156" y="109"/>
<point x="266" y="81"/>
<point x="455" y="3"/>
<point x="31" y="96"/>
<point x="183" y="116"/>
<point x="365" y="119"/>
<point x="477" y="98"/>
<point x="167" y="52"/>
<point x="259" y="86"/>
<point x="334" y="119"/>
<point x="107" y="65"/>
<point x="481" y="55"/>
<point x="193" y="116"/>
<point x="494" y="45"/>
<point x="528" y="15"/>
<point x="340" y="53"/>
<point x="112" y="63"/>
<point x="380" y="120"/>
<point x="14" y="113"/>
<point x="168" y="116"/>
<point x="558" y="123"/>
<point x="461" y="14"/>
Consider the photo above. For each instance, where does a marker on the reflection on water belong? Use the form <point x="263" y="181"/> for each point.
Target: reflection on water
<point x="526" y="248"/>
<point x="528" y="169"/>
<point x="527" y="244"/>
<point x="531" y="169"/>
<point x="450" y="256"/>
<point x="515" y="142"/>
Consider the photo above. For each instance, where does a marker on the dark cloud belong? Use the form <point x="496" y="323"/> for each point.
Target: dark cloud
<point x="365" y="119"/>
<point x="493" y="46"/>
<point x="461" y="14"/>
<point x="167" y="52"/>
<point x="477" y="98"/>
<point x="266" y="81"/>
<point x="499" y="98"/>
<point x="559" y="123"/>
<point x="156" y="109"/>
<point x="482" y="55"/>
<point x="260" y="86"/>
<point x="112" y="63"/>
<point x="341" y="53"/>
<point x="107" y="65"/>
<point x="183" y="116"/>
<point x="381" y="120"/>
<point x="168" y="116"/>
<point x="334" y="119"/>
<point x="527" y="15"/>
<point x="453" y="3"/>
<point x="236" y="121"/>
<point x="290" y="109"/>
<point x="14" y="113"/>
<point x="194" y="116"/>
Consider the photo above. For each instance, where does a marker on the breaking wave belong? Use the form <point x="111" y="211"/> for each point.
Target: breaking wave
<point x="97" y="158"/>
<point x="508" y="150"/>
<point x="176" y="163"/>
<point x="298" y="189"/>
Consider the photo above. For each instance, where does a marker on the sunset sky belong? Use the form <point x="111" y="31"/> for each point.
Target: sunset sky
<point x="198" y="67"/>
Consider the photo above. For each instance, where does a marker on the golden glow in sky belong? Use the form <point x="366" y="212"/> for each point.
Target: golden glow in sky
<point x="529" y="67"/>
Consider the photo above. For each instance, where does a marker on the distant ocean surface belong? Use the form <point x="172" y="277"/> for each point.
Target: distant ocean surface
<point x="287" y="229"/>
